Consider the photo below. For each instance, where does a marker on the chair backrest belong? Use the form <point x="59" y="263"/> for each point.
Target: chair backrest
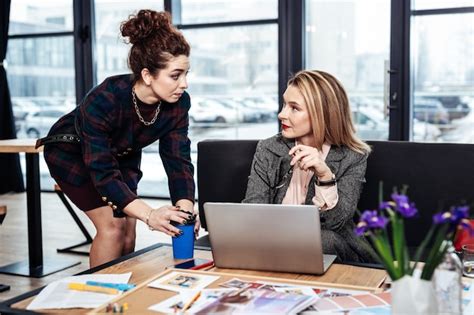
<point x="223" y="167"/>
<point x="439" y="175"/>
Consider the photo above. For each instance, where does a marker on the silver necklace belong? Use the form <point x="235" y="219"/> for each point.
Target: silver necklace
<point x="137" y="110"/>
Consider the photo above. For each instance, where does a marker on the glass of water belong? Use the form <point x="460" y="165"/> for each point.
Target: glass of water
<point x="468" y="260"/>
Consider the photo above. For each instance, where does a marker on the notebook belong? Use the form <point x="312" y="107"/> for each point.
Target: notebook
<point x="284" y="238"/>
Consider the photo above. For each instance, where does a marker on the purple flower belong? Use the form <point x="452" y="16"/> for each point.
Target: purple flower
<point x="459" y="213"/>
<point x="404" y="207"/>
<point x="455" y="217"/>
<point x="361" y="228"/>
<point x="369" y="220"/>
<point x="442" y="217"/>
<point x="387" y="204"/>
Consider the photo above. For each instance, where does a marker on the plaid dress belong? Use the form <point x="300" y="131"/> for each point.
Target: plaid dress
<point x="112" y="138"/>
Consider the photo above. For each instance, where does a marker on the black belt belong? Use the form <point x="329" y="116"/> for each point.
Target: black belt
<point x="65" y="137"/>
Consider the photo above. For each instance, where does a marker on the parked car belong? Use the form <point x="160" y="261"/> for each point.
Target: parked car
<point x="204" y="110"/>
<point x="454" y="104"/>
<point x="430" y="110"/>
<point x="244" y="114"/>
<point x="21" y="108"/>
<point x="38" y="123"/>
<point x="371" y="125"/>
<point x="266" y="105"/>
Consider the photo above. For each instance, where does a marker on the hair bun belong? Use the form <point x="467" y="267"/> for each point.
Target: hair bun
<point x="145" y="23"/>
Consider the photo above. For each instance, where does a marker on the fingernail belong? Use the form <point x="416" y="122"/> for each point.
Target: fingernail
<point x="180" y="232"/>
<point x="185" y="222"/>
<point x="190" y="217"/>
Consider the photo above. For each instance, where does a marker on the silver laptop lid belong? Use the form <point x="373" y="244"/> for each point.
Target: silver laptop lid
<point x="265" y="237"/>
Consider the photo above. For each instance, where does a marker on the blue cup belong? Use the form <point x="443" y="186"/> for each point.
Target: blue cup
<point x="183" y="245"/>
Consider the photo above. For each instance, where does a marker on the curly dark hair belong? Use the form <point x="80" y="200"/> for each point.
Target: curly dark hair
<point x="154" y="41"/>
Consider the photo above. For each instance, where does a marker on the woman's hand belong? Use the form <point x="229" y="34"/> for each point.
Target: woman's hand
<point x="160" y="219"/>
<point x="197" y="224"/>
<point x="188" y="206"/>
<point x="309" y="158"/>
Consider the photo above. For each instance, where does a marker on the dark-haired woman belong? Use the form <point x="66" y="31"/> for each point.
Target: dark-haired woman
<point x="94" y="152"/>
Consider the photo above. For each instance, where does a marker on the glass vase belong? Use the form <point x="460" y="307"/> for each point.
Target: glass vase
<point x="448" y="283"/>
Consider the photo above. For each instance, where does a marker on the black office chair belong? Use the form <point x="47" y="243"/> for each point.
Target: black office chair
<point x="223" y="167"/>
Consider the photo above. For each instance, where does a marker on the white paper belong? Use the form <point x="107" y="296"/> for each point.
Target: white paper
<point x="57" y="294"/>
<point x="181" y="281"/>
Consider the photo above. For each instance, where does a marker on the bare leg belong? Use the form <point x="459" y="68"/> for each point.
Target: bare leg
<point x="130" y="236"/>
<point x="108" y="243"/>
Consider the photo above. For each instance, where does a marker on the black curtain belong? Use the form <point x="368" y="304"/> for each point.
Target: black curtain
<point x="12" y="177"/>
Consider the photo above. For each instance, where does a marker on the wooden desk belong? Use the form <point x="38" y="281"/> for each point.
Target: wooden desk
<point x="151" y="261"/>
<point x="34" y="266"/>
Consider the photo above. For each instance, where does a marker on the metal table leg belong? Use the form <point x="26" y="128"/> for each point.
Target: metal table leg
<point x="35" y="266"/>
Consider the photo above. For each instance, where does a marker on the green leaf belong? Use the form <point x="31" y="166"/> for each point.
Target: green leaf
<point x="385" y="256"/>
<point x="399" y="243"/>
<point x="422" y="247"/>
<point x="436" y="260"/>
<point x="431" y="264"/>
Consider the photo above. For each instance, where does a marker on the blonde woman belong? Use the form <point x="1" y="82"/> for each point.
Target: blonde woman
<point x="317" y="159"/>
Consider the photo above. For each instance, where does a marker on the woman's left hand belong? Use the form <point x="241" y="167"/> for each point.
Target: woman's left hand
<point x="310" y="158"/>
<point x="188" y="206"/>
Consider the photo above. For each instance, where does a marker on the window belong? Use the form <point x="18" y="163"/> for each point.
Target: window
<point x="351" y="40"/>
<point x="39" y="17"/>
<point x="233" y="80"/>
<point x="111" y="52"/>
<point x="40" y="67"/>
<point x="198" y="11"/>
<point x="234" y="75"/>
<point x="443" y="75"/>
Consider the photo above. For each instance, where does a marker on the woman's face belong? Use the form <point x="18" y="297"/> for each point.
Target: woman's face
<point x="294" y="117"/>
<point x="171" y="81"/>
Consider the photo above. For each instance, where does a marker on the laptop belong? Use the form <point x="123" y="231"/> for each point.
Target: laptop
<point x="285" y="238"/>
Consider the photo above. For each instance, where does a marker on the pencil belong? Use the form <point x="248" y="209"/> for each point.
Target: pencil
<point x="91" y="288"/>
<point x="191" y="302"/>
<point x="202" y="266"/>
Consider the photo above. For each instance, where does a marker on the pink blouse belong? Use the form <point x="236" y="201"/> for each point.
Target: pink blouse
<point x="325" y="197"/>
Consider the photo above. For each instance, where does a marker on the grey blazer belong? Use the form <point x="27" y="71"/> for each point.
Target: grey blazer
<point x="270" y="177"/>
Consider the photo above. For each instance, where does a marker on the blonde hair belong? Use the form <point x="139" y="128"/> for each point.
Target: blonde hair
<point x="329" y="110"/>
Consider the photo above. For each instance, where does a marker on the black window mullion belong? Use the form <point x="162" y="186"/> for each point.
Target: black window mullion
<point x="174" y="8"/>
<point x="461" y="10"/>
<point x="83" y="41"/>
<point x="226" y="24"/>
<point x="41" y="35"/>
<point x="399" y="98"/>
<point x="290" y="42"/>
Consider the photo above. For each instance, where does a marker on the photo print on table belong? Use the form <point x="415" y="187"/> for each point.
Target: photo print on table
<point x="180" y="281"/>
